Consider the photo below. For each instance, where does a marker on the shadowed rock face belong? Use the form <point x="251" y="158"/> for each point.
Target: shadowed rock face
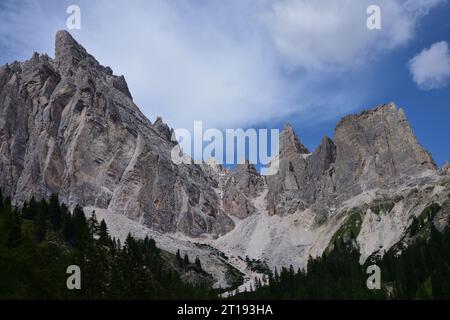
<point x="242" y="186"/>
<point x="291" y="179"/>
<point x="375" y="149"/>
<point x="69" y="126"/>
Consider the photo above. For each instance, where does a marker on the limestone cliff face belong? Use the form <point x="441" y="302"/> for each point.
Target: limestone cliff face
<point x="69" y="126"/>
<point x="291" y="181"/>
<point x="375" y="149"/>
<point x="241" y="187"/>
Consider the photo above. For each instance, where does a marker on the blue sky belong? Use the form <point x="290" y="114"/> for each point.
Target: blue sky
<point x="259" y="63"/>
<point x="428" y="111"/>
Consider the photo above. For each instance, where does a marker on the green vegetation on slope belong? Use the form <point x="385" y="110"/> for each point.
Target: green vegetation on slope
<point x="418" y="270"/>
<point x="39" y="241"/>
<point x="350" y="228"/>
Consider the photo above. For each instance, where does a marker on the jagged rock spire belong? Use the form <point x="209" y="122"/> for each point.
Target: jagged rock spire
<point x="445" y="168"/>
<point x="163" y="128"/>
<point x="74" y="131"/>
<point x="68" y="52"/>
<point x="323" y="156"/>
<point x="289" y="142"/>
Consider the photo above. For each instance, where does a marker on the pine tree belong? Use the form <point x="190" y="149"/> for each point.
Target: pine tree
<point x="68" y="228"/>
<point x="415" y="225"/>
<point x="41" y="226"/>
<point x="152" y="246"/>
<point x="179" y="259"/>
<point x="30" y="211"/>
<point x="81" y="229"/>
<point x="185" y="261"/>
<point x="55" y="212"/>
<point x="103" y="233"/>
<point x="94" y="227"/>
<point x="276" y="277"/>
<point x="13" y="228"/>
<point x="198" y="263"/>
<point x="37" y="271"/>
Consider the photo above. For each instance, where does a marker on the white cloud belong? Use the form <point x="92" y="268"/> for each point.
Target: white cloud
<point x="189" y="70"/>
<point x="224" y="62"/>
<point x="430" y="68"/>
<point x="330" y="35"/>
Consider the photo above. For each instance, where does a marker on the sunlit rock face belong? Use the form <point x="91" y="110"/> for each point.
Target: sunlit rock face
<point x="377" y="148"/>
<point x="69" y="126"/>
<point x="374" y="149"/>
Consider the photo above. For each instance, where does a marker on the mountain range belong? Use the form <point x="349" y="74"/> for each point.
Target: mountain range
<point x="69" y="126"/>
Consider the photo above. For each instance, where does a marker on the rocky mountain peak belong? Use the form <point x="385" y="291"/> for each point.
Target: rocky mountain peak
<point x="373" y="149"/>
<point x="289" y="142"/>
<point x="377" y="148"/>
<point x="323" y="156"/>
<point x="161" y="127"/>
<point x="445" y="170"/>
<point x="247" y="179"/>
<point x="73" y="60"/>
<point x="68" y="52"/>
<point x="242" y="185"/>
<point x="69" y="126"/>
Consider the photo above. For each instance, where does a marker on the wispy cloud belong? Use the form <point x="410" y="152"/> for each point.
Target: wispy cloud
<point x="227" y="63"/>
<point x="329" y="35"/>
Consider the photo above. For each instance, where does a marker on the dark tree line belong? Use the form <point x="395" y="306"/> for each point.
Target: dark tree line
<point x="335" y="275"/>
<point x="185" y="264"/>
<point x="42" y="238"/>
<point x="421" y="270"/>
